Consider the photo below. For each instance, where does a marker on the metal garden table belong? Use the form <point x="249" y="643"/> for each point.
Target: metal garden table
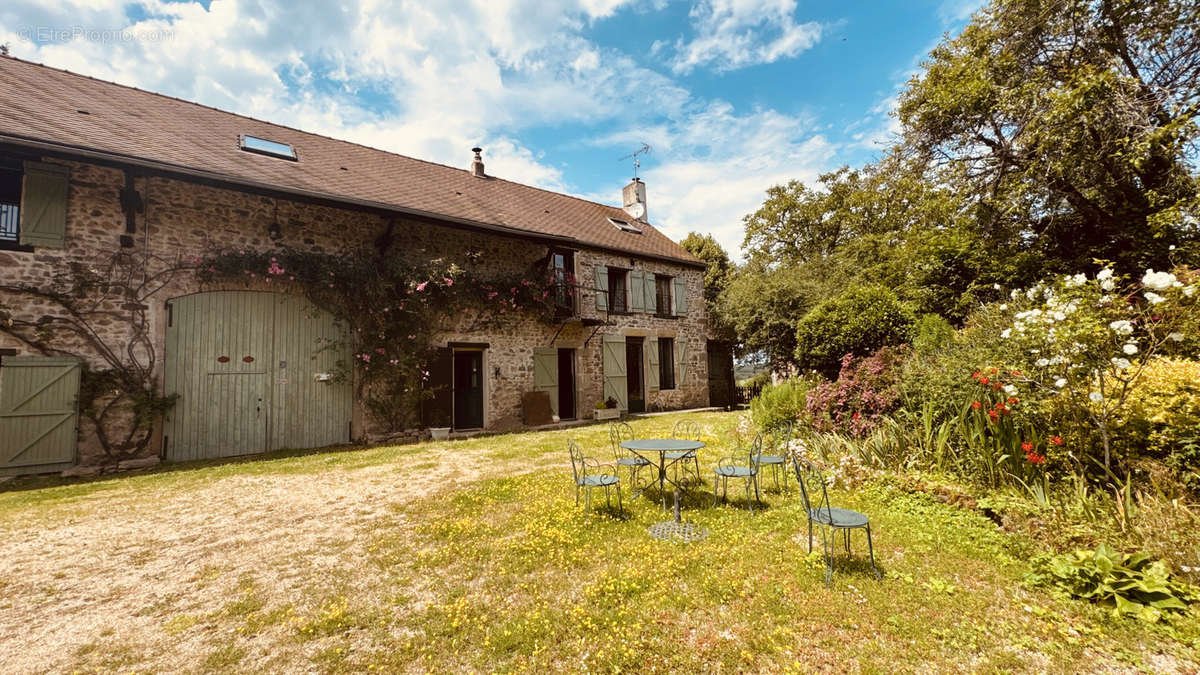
<point x="646" y="448"/>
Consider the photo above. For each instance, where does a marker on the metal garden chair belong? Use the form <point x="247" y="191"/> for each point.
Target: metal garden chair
<point x="781" y="438"/>
<point x="589" y="475"/>
<point x="728" y="467"/>
<point x="688" y="430"/>
<point x="816" y="506"/>
<point x="620" y="431"/>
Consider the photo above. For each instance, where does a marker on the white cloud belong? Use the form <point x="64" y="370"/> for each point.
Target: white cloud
<point x="732" y="34"/>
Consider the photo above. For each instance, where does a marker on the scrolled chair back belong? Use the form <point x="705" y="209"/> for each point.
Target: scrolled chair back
<point x="577" y="465"/>
<point x="781" y="439"/>
<point x="618" y="432"/>
<point x="813" y="488"/>
<point x="756" y="449"/>
<point x="687" y="430"/>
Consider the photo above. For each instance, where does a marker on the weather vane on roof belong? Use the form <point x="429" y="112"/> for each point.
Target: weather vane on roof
<point x="637" y="162"/>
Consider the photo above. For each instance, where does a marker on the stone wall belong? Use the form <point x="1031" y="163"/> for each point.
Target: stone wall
<point x="183" y="220"/>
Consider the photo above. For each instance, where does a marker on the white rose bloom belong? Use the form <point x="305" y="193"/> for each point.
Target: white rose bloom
<point x="1079" y="279"/>
<point x="1016" y="293"/>
<point x="1175" y="337"/>
<point x="1189" y="291"/>
<point x="1129" y="348"/>
<point x="1010" y="390"/>
<point x="1121" y="363"/>
<point x="1105" y="274"/>
<point x="996" y="286"/>
<point x="1153" y="298"/>
<point x="1108" y="284"/>
<point x="1159" y="281"/>
<point x="1005" y="333"/>
<point x="1003" y="307"/>
<point x="1096" y="397"/>
<point x="1041" y="363"/>
<point x="1059" y="316"/>
<point x="1060" y="382"/>
<point x="1121" y="326"/>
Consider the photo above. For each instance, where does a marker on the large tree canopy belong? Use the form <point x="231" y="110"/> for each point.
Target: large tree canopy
<point x="1048" y="134"/>
<point x="1070" y="124"/>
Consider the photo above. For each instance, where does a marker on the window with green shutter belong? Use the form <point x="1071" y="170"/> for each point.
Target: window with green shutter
<point x="10" y="203"/>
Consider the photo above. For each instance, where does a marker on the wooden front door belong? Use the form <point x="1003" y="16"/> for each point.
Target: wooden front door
<point x="566" y="384"/>
<point x="636" y="375"/>
<point x="468" y="389"/>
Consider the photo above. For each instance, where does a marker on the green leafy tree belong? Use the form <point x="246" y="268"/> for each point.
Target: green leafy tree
<point x="716" y="276"/>
<point x="858" y="322"/>
<point x="1070" y="125"/>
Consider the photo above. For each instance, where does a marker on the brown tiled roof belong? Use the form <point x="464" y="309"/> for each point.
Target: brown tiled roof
<point x="44" y="104"/>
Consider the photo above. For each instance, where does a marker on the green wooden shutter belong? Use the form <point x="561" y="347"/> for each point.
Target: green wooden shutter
<point x="680" y="296"/>
<point x="545" y="374"/>
<point x="652" y="370"/>
<point x="615" y="377"/>
<point x="681" y="359"/>
<point x="601" y="287"/>
<point x="651" y="295"/>
<point x="38" y="402"/>
<point x="44" y="205"/>
<point x="637" y="291"/>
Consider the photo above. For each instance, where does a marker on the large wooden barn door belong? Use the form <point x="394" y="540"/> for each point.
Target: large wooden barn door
<point x="38" y="413"/>
<point x="253" y="372"/>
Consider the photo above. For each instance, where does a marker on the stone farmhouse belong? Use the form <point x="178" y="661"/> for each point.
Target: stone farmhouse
<point x="103" y="188"/>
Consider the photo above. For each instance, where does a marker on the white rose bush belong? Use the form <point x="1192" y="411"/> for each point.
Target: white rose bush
<point x="1083" y="342"/>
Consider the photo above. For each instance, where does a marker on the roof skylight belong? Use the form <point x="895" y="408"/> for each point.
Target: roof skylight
<point x="265" y="147"/>
<point x="625" y="225"/>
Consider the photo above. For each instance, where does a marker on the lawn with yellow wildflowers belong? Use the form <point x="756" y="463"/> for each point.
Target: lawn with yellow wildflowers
<point x="332" y="561"/>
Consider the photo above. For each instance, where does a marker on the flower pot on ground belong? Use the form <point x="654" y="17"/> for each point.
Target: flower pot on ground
<point x="439" y="433"/>
<point x="608" y="413"/>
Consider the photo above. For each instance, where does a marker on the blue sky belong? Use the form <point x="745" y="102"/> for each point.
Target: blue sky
<point x="733" y="96"/>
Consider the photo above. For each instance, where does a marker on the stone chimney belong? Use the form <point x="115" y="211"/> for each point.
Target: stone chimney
<point x="633" y="199"/>
<point x="477" y="163"/>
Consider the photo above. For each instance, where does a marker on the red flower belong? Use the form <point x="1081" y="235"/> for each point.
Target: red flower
<point x="992" y="414"/>
<point x="997" y="386"/>
<point x="1057" y="440"/>
<point x="993" y="371"/>
<point x="1016" y="373"/>
<point x="984" y="380"/>
<point x="975" y="375"/>
<point x="1035" y="458"/>
<point x="1027" y="446"/>
<point x="1012" y="400"/>
<point x="976" y="405"/>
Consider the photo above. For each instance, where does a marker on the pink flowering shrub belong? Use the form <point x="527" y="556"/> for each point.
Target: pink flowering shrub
<point x="866" y="392"/>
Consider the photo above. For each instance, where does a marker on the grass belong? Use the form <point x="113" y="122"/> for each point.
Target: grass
<point x="506" y="573"/>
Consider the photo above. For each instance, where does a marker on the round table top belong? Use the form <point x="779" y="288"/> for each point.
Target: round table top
<point x="662" y="444"/>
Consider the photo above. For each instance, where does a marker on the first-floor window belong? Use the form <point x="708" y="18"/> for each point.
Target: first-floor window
<point x="666" y="363"/>
<point x="616" y="290"/>
<point x="662" y="292"/>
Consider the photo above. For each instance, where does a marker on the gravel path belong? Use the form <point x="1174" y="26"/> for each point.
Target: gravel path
<point x="108" y="571"/>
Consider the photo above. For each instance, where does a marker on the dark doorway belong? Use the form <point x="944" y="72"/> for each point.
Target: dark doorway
<point x="566" y="384"/>
<point x="720" y="375"/>
<point x="636" y="376"/>
<point x="468" y="390"/>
